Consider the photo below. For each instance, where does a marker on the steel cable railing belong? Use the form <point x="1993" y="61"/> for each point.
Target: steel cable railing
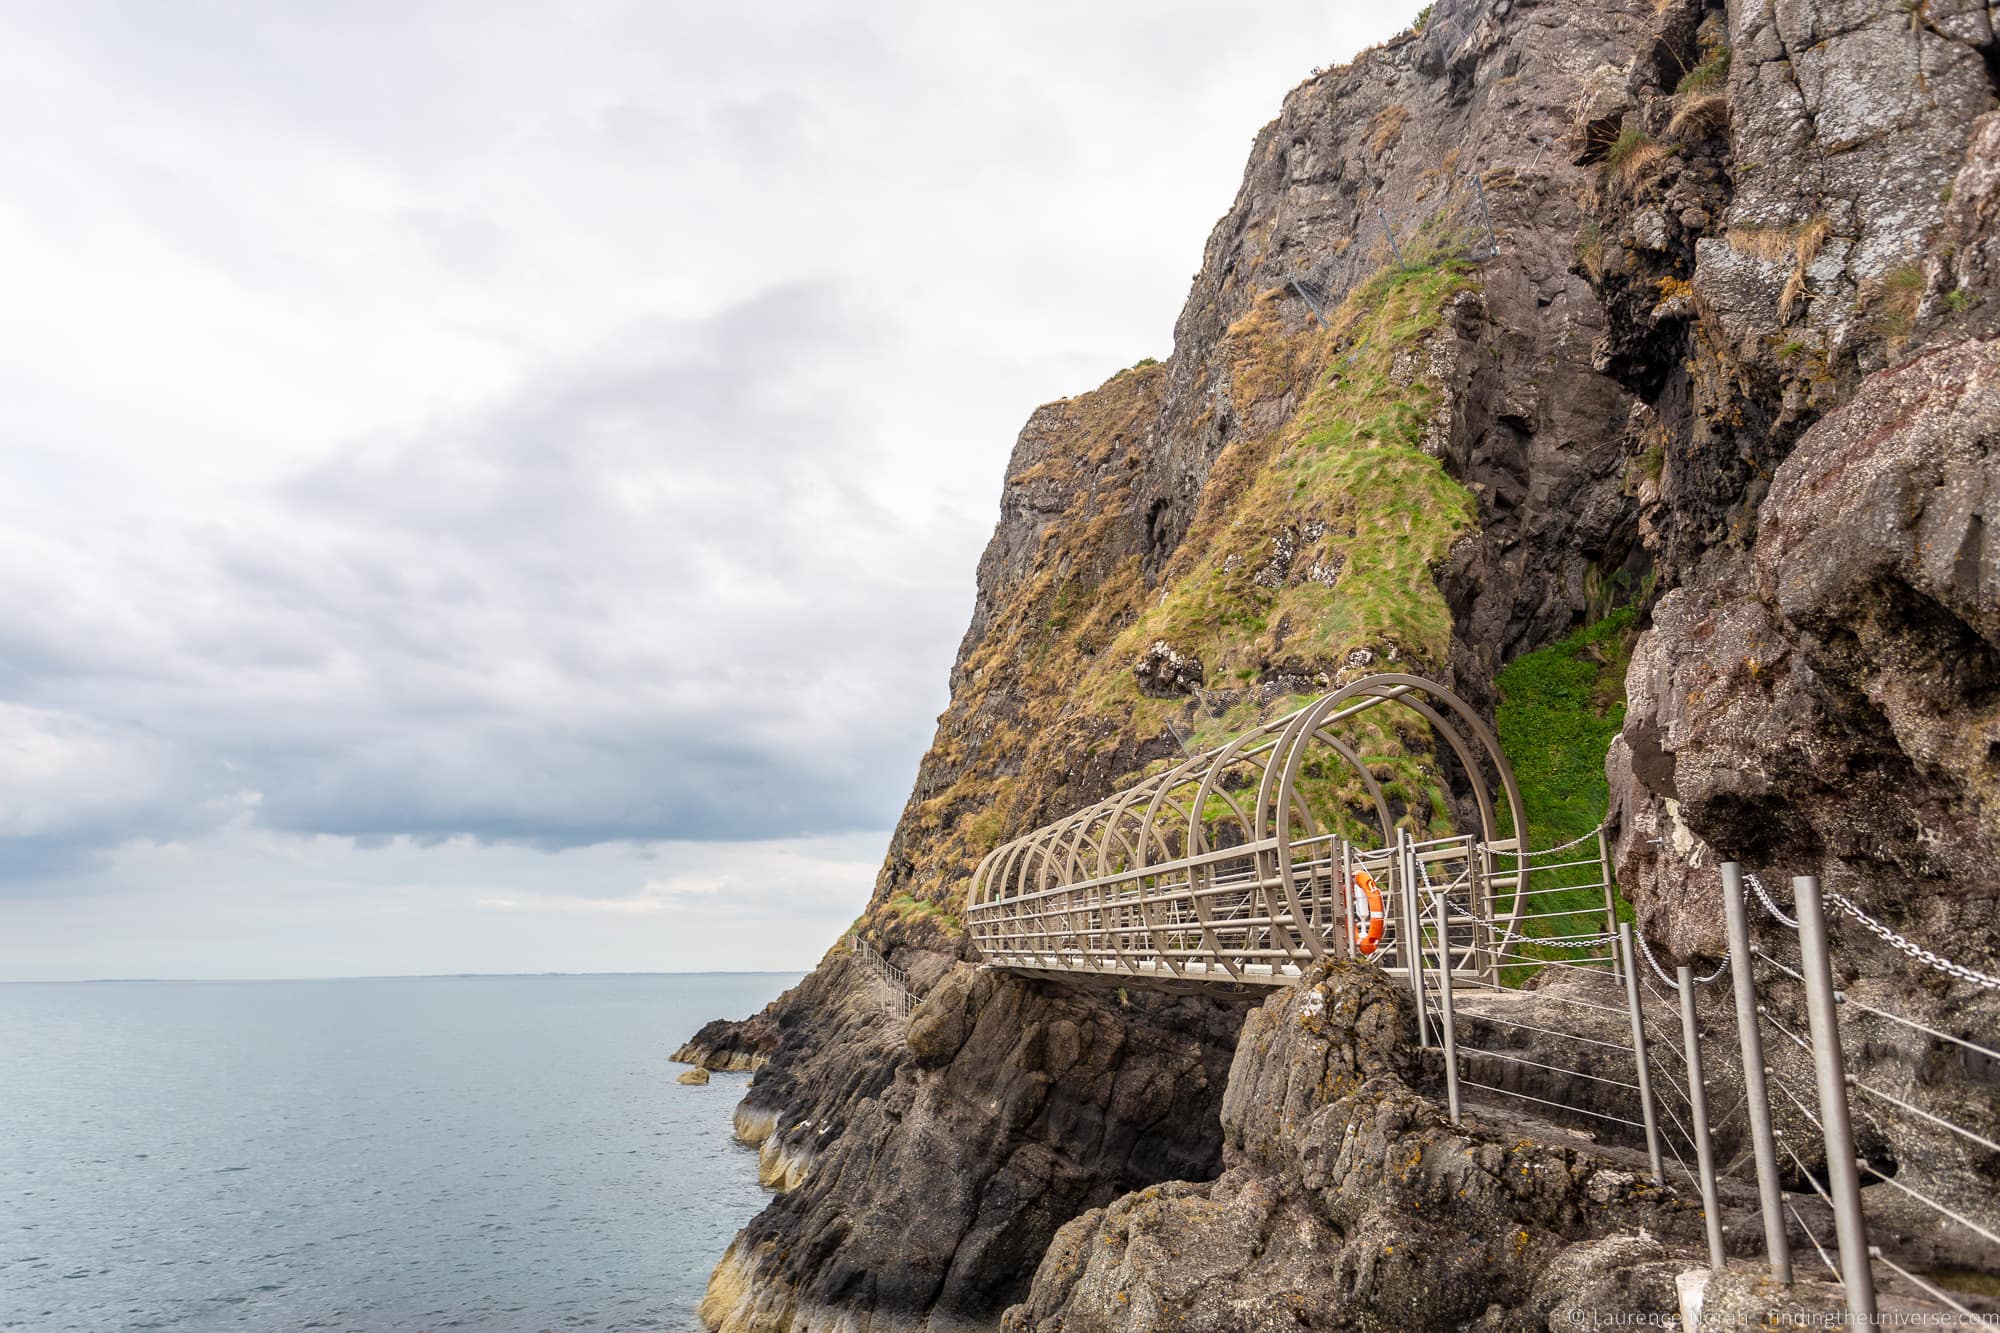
<point x="1829" y="1111"/>
<point x="1213" y="872"/>
<point x="1836" y="1178"/>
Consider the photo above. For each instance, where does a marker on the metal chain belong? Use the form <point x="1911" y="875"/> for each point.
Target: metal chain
<point x="1509" y="936"/>
<point x="1881" y="932"/>
<point x="1542" y="851"/>
<point x="1769" y="905"/>
<point x="1565" y="846"/>
<point x="1512" y="936"/>
<point x="1568" y="942"/>
<point x="1910" y="947"/>
<point x="1660" y="972"/>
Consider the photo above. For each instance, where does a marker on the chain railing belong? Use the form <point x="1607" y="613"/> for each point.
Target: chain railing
<point x="1669" y="1102"/>
<point x="1767" y="993"/>
<point x="1218" y="872"/>
<point x="1830" y="1110"/>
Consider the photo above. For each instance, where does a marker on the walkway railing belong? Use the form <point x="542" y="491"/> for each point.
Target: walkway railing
<point x="1242" y="864"/>
<point x="1796" y="1092"/>
<point x="893" y="981"/>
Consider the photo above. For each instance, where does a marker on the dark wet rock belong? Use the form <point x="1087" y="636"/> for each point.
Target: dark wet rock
<point x="1014" y="1106"/>
<point x="730" y="1045"/>
<point x="1349" y="1201"/>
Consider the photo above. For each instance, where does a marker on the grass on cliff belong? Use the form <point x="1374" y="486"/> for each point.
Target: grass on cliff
<point x="1560" y="707"/>
<point x="1323" y="537"/>
<point x="913" y="909"/>
<point x="1316" y="535"/>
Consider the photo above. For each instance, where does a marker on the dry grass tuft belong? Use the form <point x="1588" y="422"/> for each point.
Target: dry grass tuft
<point x="1893" y="299"/>
<point x="1765" y="243"/>
<point x="1388" y="126"/>
<point x="1805" y="249"/>
<point x="1590" y="251"/>
<point x="1707" y="77"/>
<point x="1812" y="239"/>
<point x="1788" y="299"/>
<point x="1699" y="117"/>
<point x="1633" y="154"/>
<point x="1641" y="161"/>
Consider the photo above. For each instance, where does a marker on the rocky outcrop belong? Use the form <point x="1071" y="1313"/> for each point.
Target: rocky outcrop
<point x="1349" y="1201"/>
<point x="730" y="1046"/>
<point x="1541" y="309"/>
<point x="1831" y="707"/>
<point x="1010" y="1107"/>
<point x="1831" y="704"/>
<point x="1169" y="497"/>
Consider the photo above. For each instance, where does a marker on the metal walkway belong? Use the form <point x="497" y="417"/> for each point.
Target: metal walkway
<point x="1238" y="868"/>
<point x="1243" y="865"/>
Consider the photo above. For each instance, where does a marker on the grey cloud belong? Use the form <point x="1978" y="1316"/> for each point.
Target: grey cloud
<point x="470" y="427"/>
<point x="620" y="606"/>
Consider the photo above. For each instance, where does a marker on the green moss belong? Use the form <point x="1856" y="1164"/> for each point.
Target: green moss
<point x="913" y="909"/>
<point x="1627" y="145"/>
<point x="1047" y="700"/>
<point x="1559" y="709"/>
<point x="1708" y="76"/>
<point x="1904" y="278"/>
<point x="1347" y="489"/>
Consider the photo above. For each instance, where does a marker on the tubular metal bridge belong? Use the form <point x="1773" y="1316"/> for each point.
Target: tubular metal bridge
<point x="1235" y="867"/>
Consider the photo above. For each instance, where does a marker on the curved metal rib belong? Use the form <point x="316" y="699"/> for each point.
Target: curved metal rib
<point x="1154" y="885"/>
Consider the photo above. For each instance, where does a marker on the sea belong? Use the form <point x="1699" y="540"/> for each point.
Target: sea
<point x="496" y="1152"/>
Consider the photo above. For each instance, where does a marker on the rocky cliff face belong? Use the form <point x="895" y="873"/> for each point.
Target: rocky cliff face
<point x="1350" y="1202"/>
<point x="1544" y="309"/>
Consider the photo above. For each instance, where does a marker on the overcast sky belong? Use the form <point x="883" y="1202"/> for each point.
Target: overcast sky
<point x="496" y="486"/>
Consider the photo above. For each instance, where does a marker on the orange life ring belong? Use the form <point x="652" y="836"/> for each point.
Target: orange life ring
<point x="1366" y="917"/>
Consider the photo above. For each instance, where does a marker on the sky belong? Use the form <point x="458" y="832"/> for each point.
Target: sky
<point x="495" y="487"/>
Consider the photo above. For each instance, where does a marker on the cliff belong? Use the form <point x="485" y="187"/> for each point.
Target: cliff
<point x="1650" y="316"/>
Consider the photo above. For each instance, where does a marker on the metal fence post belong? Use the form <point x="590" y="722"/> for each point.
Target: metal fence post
<point x="1843" y="1175"/>
<point x="1413" y="952"/>
<point x="1346" y="916"/>
<point x="1756" y="1094"/>
<point x="1444" y="1006"/>
<point x="1610" y="895"/>
<point x="1646" y="1111"/>
<point x="1704" y="1151"/>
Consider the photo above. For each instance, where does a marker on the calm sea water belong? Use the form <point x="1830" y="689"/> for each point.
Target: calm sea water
<point x="481" y="1152"/>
